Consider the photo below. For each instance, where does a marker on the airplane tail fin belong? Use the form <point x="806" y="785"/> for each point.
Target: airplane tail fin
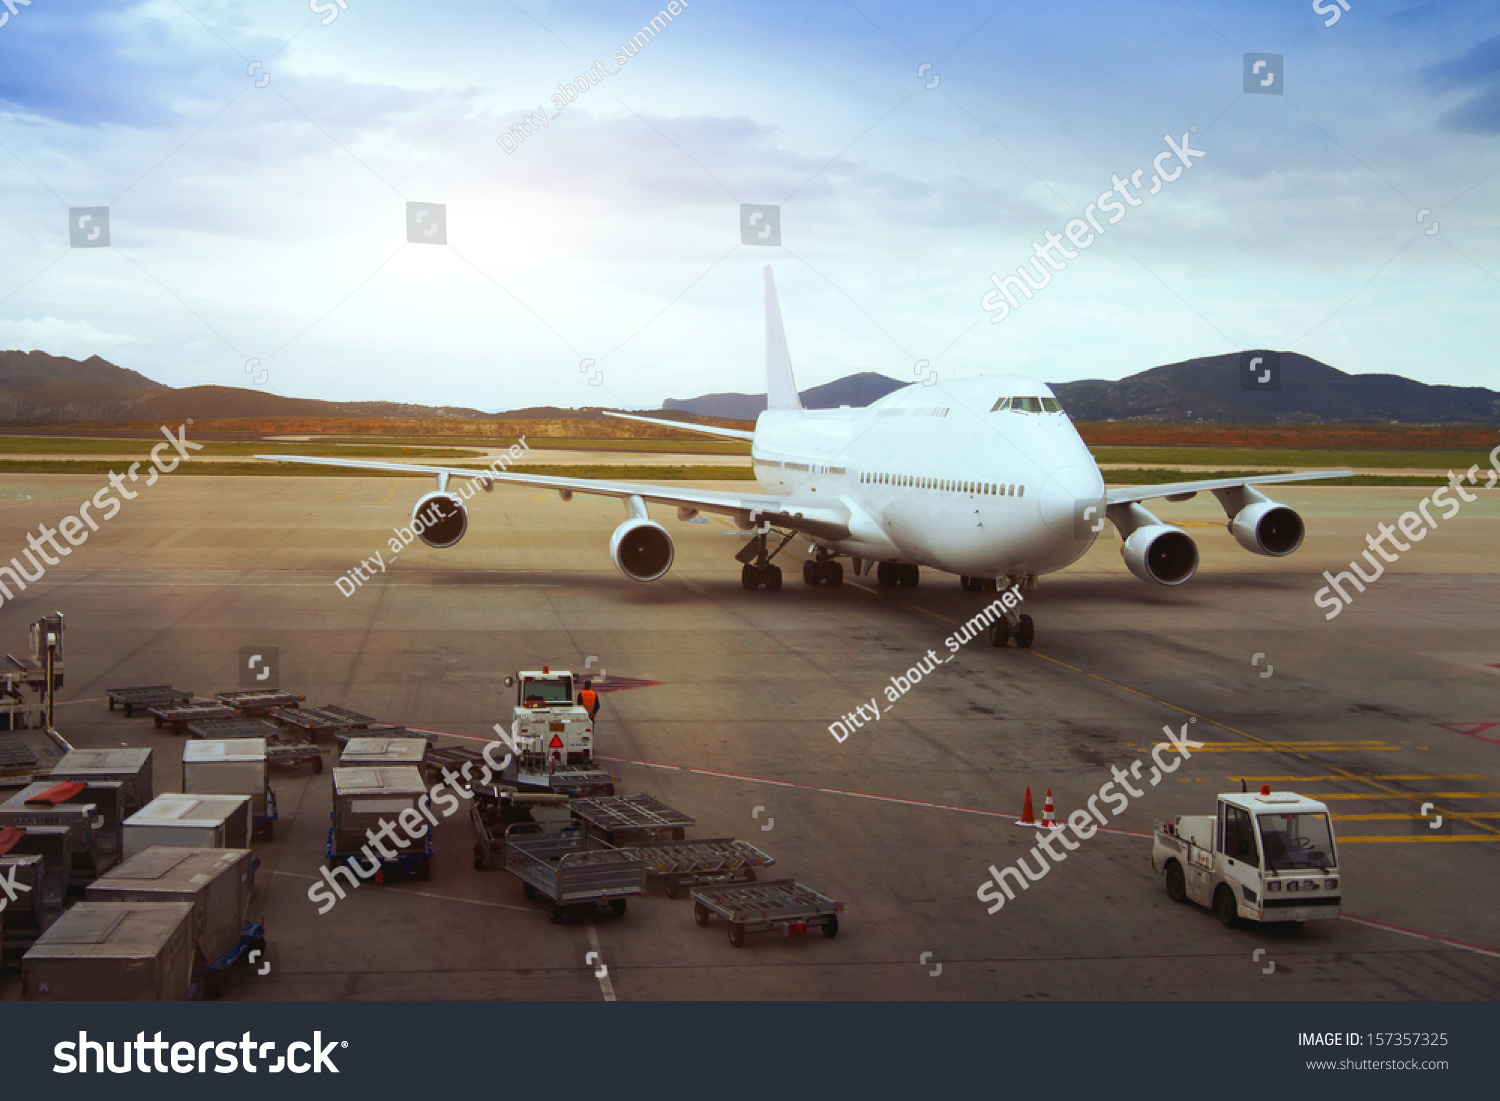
<point x="781" y="387"/>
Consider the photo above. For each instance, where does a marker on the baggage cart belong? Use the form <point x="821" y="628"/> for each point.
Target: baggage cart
<point x="233" y="766"/>
<point x="258" y="701"/>
<point x="288" y="754"/>
<point x="130" y="768"/>
<point x="179" y="715"/>
<point x="313" y="721"/>
<point x="134" y="699"/>
<point x="112" y="951"/>
<point x="627" y="819"/>
<point x="555" y="864"/>
<point x="699" y="863"/>
<point x="761" y="907"/>
<point x="239" y="726"/>
<point x="498" y="806"/>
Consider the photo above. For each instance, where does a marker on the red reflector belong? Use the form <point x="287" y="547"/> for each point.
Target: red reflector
<point x="1265" y="789"/>
<point x="796" y="929"/>
<point x="9" y="835"/>
<point x="60" y="793"/>
<point x="555" y="743"/>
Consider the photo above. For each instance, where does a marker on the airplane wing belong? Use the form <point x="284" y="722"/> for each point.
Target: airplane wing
<point x="1125" y="495"/>
<point x="706" y="429"/>
<point x="825" y="520"/>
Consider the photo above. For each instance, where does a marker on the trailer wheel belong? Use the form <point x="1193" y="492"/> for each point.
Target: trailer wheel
<point x="554" y="913"/>
<point x="528" y="890"/>
<point x="1224" y="907"/>
<point x="157" y="720"/>
<point x="318" y="763"/>
<point x="617" y="907"/>
<point x="478" y="857"/>
<point x="111" y="705"/>
<point x="1176" y="886"/>
<point x="129" y="710"/>
<point x="831" y="926"/>
<point x="700" y="914"/>
<point x="268" y="830"/>
<point x="737" y="934"/>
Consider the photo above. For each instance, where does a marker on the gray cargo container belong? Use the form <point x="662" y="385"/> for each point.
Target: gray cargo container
<point x="66" y="804"/>
<point x="362" y="752"/>
<point x="232" y="766"/>
<point x="363" y="798"/>
<point x="131" y="768"/>
<point x="192" y="821"/>
<point x="217" y="882"/>
<point x="51" y="843"/>
<point x="28" y="915"/>
<point x="112" y="952"/>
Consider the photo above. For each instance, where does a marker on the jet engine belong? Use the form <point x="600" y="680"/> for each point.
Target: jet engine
<point x="1160" y="553"/>
<point x="442" y="517"/>
<point x="641" y="549"/>
<point x="1267" y="528"/>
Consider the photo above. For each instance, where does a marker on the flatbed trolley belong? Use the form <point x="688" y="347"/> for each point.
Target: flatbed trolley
<point x="179" y="715"/>
<point x="238" y="727"/>
<point x="628" y="819"/>
<point x="555" y="864"/>
<point x="148" y="696"/>
<point x="208" y="982"/>
<point x="293" y="754"/>
<point x="696" y="862"/>
<point x="761" y="907"/>
<point x="322" y="720"/>
<point x="258" y="701"/>
<point x="496" y="807"/>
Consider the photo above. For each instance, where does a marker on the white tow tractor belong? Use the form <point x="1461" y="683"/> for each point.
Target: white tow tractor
<point x="1266" y="857"/>
<point x="549" y="728"/>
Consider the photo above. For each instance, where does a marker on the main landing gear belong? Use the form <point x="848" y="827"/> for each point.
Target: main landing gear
<point x="823" y="570"/>
<point x="890" y="574"/>
<point x="757" y="569"/>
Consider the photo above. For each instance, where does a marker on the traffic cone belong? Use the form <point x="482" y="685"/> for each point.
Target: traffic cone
<point x="1028" y="816"/>
<point x="1048" y="822"/>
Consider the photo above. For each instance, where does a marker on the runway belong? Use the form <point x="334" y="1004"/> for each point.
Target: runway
<point x="1390" y="706"/>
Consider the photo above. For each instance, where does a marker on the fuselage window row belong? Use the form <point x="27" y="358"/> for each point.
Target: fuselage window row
<point x="944" y="485"/>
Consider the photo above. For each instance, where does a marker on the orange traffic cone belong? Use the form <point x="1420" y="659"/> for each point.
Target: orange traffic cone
<point x="1028" y="816"/>
<point x="1048" y="822"/>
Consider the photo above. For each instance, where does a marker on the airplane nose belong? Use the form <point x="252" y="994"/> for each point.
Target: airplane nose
<point x="1072" y="502"/>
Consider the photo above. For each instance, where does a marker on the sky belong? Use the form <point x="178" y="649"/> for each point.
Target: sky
<point x="258" y="162"/>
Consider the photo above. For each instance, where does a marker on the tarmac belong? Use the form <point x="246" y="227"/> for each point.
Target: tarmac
<point x="1389" y="706"/>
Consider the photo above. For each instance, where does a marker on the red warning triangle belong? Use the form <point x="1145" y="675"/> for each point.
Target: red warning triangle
<point x="555" y="743"/>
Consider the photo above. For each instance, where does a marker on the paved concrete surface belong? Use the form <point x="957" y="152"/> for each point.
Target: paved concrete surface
<point x="1382" y="708"/>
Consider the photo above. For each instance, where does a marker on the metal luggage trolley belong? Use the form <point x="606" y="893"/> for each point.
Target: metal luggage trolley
<point x="555" y="864"/>
<point x="258" y="701"/>
<point x="149" y="696"/>
<point x="761" y="907"/>
<point x="494" y="808"/>
<point x="179" y="715"/>
<point x="694" y="863"/>
<point x="293" y="754"/>
<point x="627" y="819"/>
<point x="313" y="721"/>
<point x="239" y="727"/>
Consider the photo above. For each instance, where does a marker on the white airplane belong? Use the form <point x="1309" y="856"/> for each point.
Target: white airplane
<point x="982" y="477"/>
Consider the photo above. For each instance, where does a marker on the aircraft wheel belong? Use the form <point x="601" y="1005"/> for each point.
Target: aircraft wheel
<point x="811" y="575"/>
<point x="773" y="579"/>
<point x="888" y="574"/>
<point x="910" y="576"/>
<point x="833" y="573"/>
<point x="999" y="632"/>
<point x="1025" y="633"/>
<point x="750" y="577"/>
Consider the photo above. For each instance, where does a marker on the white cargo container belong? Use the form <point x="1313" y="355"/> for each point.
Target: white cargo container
<point x="234" y="766"/>
<point x="112" y="952"/>
<point x="131" y="768"/>
<point x="371" y="752"/>
<point x="192" y="821"/>
<point x="217" y="882"/>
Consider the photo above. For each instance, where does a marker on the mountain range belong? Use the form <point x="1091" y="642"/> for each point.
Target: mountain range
<point x="37" y="388"/>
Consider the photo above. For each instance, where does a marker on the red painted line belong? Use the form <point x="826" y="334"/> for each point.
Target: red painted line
<point x="1424" y="936"/>
<point x="851" y="794"/>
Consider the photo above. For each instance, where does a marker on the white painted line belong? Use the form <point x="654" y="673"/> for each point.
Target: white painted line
<point x="605" y="983"/>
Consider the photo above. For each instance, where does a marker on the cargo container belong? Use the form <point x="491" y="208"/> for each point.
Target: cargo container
<point x="112" y="952"/>
<point x="51" y="843"/>
<point x="193" y="821"/>
<point x="35" y="898"/>
<point x="232" y="766"/>
<point x="364" y="799"/>
<point x="131" y="768"/>
<point x="218" y="883"/>
<point x="65" y="804"/>
<point x="361" y="752"/>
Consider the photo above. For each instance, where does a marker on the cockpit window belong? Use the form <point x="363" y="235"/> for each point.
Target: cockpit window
<point x="1027" y="405"/>
<point x="1052" y="405"/>
<point x="1003" y="403"/>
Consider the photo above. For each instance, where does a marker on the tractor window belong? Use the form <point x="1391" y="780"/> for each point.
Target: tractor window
<point x="1297" y="841"/>
<point x="1238" y="841"/>
<point x="541" y="692"/>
